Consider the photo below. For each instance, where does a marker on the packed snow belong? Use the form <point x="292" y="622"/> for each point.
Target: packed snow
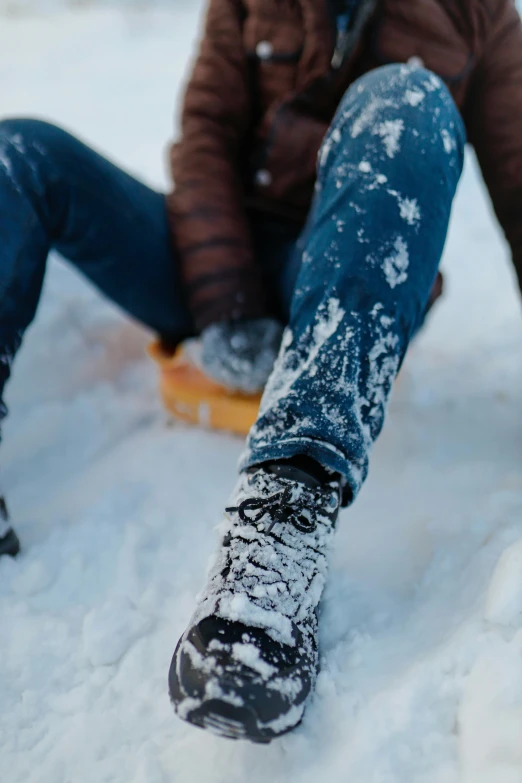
<point x="422" y="614"/>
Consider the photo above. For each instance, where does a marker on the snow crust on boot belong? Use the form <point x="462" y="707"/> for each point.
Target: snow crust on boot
<point x="249" y="659"/>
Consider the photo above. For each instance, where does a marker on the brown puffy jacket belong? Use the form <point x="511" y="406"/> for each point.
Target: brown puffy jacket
<point x="263" y="93"/>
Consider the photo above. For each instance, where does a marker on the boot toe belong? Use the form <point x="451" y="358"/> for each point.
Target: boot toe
<point x="238" y="682"/>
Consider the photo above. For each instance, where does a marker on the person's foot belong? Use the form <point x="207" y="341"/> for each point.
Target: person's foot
<point x="249" y="659"/>
<point x="9" y="543"/>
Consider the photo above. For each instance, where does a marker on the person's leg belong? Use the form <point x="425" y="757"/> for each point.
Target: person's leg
<point x="56" y="193"/>
<point x="388" y="171"/>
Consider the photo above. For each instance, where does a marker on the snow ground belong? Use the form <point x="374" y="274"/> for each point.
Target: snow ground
<point x="422" y="630"/>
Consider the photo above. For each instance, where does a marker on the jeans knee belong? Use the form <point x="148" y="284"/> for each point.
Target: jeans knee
<point x="14" y="138"/>
<point x="18" y="130"/>
<point x="410" y="90"/>
<point x="23" y="137"/>
<point x="417" y="87"/>
<point x="395" y="100"/>
<point x="26" y="148"/>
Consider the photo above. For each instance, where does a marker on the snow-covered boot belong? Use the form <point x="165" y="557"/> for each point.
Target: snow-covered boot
<point x="249" y="659"/>
<point x="9" y="543"/>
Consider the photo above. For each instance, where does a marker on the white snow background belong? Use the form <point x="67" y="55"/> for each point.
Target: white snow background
<point x="422" y="621"/>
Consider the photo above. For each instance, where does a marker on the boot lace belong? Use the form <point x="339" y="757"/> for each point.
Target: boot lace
<point x="281" y="506"/>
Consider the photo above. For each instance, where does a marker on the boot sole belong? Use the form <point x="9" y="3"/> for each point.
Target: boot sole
<point x="10" y="544"/>
<point x="230" y="722"/>
<point x="227" y="721"/>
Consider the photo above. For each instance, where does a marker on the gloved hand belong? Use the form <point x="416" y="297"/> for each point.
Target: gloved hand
<point x="241" y="354"/>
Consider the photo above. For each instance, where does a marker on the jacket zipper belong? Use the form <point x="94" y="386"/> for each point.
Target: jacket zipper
<point x="349" y="32"/>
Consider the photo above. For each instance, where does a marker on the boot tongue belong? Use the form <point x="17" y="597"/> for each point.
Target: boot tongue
<point x="291" y="472"/>
<point x="303" y="469"/>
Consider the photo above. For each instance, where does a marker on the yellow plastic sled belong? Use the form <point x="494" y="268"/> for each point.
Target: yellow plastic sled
<point x="192" y="397"/>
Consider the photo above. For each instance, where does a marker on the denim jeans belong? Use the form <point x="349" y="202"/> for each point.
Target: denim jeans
<point x="353" y="288"/>
<point x="58" y="194"/>
<point x="387" y="174"/>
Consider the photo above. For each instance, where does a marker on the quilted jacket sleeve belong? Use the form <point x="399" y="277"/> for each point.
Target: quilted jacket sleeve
<point x="495" y="121"/>
<point x="206" y="208"/>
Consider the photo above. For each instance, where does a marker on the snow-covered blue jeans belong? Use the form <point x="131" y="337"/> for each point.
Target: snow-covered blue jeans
<point x="387" y="174"/>
<point x="353" y="287"/>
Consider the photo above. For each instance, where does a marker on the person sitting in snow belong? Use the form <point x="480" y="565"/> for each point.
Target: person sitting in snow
<point x="322" y="143"/>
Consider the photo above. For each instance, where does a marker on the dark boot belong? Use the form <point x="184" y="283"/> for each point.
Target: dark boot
<point x="9" y="543"/>
<point x="249" y="660"/>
